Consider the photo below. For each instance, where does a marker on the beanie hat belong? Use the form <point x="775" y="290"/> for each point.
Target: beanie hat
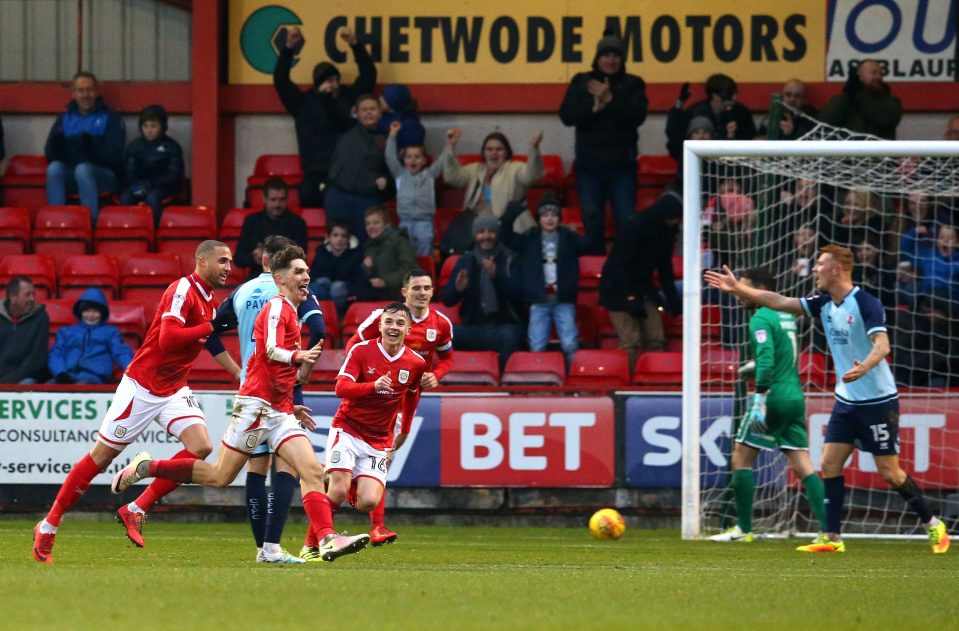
<point x="548" y="204"/>
<point x="610" y="43"/>
<point x="323" y="71"/>
<point x="397" y="96"/>
<point x="485" y="222"/>
<point x="700" y="122"/>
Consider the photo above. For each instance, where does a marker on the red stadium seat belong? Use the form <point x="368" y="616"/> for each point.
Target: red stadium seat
<point x="530" y="369"/>
<point x="181" y="229"/>
<point x="332" y="321"/>
<point x="207" y="372"/>
<point x="24" y="182"/>
<point x="447" y="270"/>
<point x="356" y="313"/>
<point x="428" y="264"/>
<point x="284" y="166"/>
<point x="328" y="366"/>
<point x="79" y="273"/>
<point x="130" y="317"/>
<point x="599" y="368"/>
<point x="39" y="268"/>
<point x="14" y="230"/>
<point x="60" y="313"/>
<point x="443" y="218"/>
<point x="230" y="235"/>
<point x="573" y="217"/>
<point x="476" y="368"/>
<point x="145" y="277"/>
<point x="719" y="366"/>
<point x="453" y="313"/>
<point x="646" y="197"/>
<point x="590" y="272"/>
<point x="123" y="231"/>
<point x="315" y="219"/>
<point x="656" y="170"/>
<point x="62" y="231"/>
<point x="255" y="200"/>
<point x="711" y="321"/>
<point x="659" y="369"/>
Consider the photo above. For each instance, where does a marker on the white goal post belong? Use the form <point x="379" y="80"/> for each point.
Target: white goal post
<point x="697" y="158"/>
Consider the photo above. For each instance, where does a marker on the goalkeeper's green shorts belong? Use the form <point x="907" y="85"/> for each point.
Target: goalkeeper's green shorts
<point x="785" y="427"/>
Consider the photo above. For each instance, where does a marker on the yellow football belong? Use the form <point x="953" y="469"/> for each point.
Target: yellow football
<point x="607" y="523"/>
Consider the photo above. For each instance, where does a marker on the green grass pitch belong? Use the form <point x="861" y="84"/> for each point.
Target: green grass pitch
<point x="202" y="576"/>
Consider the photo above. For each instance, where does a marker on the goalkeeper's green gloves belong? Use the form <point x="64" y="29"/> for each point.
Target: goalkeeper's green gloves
<point x="756" y="416"/>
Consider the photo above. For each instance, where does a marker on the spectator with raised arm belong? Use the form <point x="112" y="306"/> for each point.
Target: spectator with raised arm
<point x="415" y="189"/>
<point x="606" y="105"/>
<point x="84" y="149"/>
<point x="497" y="179"/>
<point x="866" y="103"/>
<point x="731" y="120"/>
<point x="398" y="105"/>
<point x="322" y="112"/>
<point x="798" y="117"/>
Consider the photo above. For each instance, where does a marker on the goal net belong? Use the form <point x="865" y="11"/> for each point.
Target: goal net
<point x="772" y="204"/>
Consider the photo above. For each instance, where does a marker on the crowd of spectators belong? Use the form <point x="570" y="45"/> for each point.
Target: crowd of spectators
<point x="517" y="276"/>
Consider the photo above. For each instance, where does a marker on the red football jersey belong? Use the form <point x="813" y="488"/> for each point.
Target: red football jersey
<point x="163" y="370"/>
<point x="372" y="417"/>
<point x="431" y="334"/>
<point x="272" y="379"/>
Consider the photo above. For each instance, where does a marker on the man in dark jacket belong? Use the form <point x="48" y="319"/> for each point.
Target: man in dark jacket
<point x="549" y="267"/>
<point x="336" y="267"/>
<point x="606" y="106"/>
<point x="866" y="103"/>
<point x="85" y="148"/>
<point x="24" y="329"/>
<point x="154" y="163"/>
<point x="86" y="352"/>
<point x="486" y="285"/>
<point x="274" y="219"/>
<point x="643" y="246"/>
<point x="322" y="112"/>
<point x="731" y="120"/>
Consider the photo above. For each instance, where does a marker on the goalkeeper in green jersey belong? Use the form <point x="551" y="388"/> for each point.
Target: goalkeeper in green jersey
<point x="777" y="414"/>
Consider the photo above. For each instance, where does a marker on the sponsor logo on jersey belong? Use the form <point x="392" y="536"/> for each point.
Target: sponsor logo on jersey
<point x="404" y="376"/>
<point x="430" y="335"/>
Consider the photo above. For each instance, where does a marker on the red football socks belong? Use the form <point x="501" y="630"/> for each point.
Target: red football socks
<point x="76" y="484"/>
<point x="164" y="484"/>
<point x="320" y="510"/>
<point x="378" y="514"/>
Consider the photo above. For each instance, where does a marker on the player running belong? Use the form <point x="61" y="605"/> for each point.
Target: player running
<point x="777" y="417"/>
<point x="246" y="301"/>
<point x="431" y="335"/>
<point x="866" y="412"/>
<point x="379" y="378"/>
<point x="263" y="409"/>
<point x="154" y="388"/>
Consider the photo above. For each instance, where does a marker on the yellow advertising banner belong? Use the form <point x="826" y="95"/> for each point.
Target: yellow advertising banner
<point x="534" y="41"/>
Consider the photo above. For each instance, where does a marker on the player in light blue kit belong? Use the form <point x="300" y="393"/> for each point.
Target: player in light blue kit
<point x="866" y="413"/>
<point x="246" y="301"/>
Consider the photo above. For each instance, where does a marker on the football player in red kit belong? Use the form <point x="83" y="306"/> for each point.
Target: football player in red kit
<point x="263" y="410"/>
<point x="154" y="389"/>
<point x="431" y="336"/>
<point x="380" y="378"/>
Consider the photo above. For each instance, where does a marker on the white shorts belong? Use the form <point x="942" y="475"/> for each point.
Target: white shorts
<point x="134" y="408"/>
<point x="345" y="452"/>
<point x="255" y="422"/>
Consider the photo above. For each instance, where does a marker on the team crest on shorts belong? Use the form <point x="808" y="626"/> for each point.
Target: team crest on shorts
<point x="251" y="441"/>
<point x="430" y="335"/>
<point x="404" y="376"/>
<point x="335" y="457"/>
<point x="120" y="432"/>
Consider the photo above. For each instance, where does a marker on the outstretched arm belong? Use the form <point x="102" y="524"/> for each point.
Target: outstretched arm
<point x="727" y="281"/>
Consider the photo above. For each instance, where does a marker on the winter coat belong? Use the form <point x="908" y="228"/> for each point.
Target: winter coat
<point x="257" y="227"/>
<point x="393" y="257"/>
<point x="358" y="161"/>
<point x="320" y="118"/>
<point x="607" y="139"/>
<point x="97" y="137"/>
<point x="155" y="163"/>
<point x="86" y="353"/>
<point x="876" y="113"/>
<point x="507" y="282"/>
<point x="23" y="345"/>
<point x="346" y="267"/>
<point x="509" y="183"/>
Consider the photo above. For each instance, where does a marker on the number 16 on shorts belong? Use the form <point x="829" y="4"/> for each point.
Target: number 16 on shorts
<point x="345" y="452"/>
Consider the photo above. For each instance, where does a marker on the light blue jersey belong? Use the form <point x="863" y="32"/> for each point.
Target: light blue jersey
<point x="247" y="300"/>
<point x="848" y="326"/>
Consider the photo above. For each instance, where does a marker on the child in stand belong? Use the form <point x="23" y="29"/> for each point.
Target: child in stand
<point x="154" y="163"/>
<point x="86" y="352"/>
<point x="415" y="191"/>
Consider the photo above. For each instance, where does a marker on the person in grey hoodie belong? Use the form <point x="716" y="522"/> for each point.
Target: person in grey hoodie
<point x="415" y="190"/>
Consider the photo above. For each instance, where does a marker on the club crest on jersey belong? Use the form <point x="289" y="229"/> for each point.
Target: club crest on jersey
<point x="430" y="335"/>
<point x="761" y="336"/>
<point x="849" y="319"/>
<point x="120" y="431"/>
<point x="404" y="376"/>
<point x="335" y="457"/>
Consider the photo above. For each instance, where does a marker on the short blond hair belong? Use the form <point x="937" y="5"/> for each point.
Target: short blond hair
<point x="841" y="255"/>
